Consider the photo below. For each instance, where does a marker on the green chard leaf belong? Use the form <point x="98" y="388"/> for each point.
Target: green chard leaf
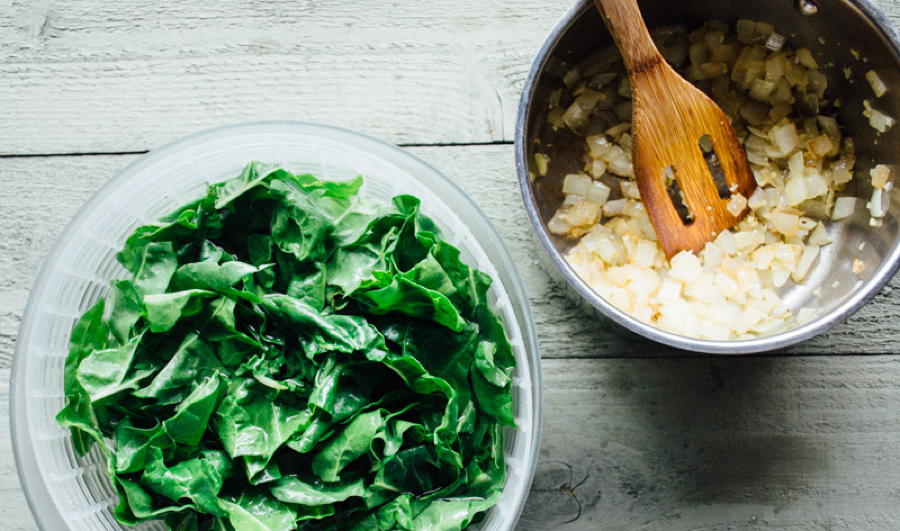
<point x="250" y="423"/>
<point x="450" y="514"/>
<point x="312" y="492"/>
<point x="90" y="333"/>
<point x="192" y="361"/>
<point x="199" y="479"/>
<point x="259" y="512"/>
<point x="287" y="354"/>
<point x="154" y="270"/>
<point x="133" y="445"/>
<point x="105" y="372"/>
<point x="352" y="442"/>
<point x="254" y="174"/>
<point x="212" y="276"/>
<point x="163" y="310"/>
<point x="191" y="417"/>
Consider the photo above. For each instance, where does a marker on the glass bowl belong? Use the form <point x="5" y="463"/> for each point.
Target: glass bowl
<point x="65" y="492"/>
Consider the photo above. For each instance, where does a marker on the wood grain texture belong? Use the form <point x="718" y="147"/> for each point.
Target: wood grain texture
<point x="785" y="443"/>
<point x="41" y="194"/>
<point x="129" y="75"/>
<point x="791" y="444"/>
<point x="769" y="443"/>
<point x="14" y="512"/>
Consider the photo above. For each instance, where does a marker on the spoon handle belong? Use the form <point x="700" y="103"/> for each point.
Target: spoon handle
<point x="624" y="20"/>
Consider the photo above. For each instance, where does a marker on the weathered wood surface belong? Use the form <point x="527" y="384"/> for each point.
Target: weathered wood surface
<point x="772" y="443"/>
<point x="43" y="193"/>
<point x="128" y="75"/>
<point x="788" y="443"/>
<point x="124" y="76"/>
<point x="14" y="513"/>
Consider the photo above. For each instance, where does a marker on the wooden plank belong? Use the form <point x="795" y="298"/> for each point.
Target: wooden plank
<point x="129" y="75"/>
<point x="42" y="193"/>
<point x="778" y="443"/>
<point x="133" y="75"/>
<point x="14" y="511"/>
<point x="701" y="444"/>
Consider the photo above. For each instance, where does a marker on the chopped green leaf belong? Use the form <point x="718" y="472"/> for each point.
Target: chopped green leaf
<point x="287" y="354"/>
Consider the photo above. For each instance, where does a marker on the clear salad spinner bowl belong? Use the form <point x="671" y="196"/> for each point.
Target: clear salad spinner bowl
<point x="66" y="492"/>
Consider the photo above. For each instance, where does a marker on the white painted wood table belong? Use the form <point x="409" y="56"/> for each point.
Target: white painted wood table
<point x="635" y="436"/>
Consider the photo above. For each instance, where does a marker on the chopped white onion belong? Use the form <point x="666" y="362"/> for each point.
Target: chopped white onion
<point x="576" y="183"/>
<point x="795" y="190"/>
<point x="728" y="290"/>
<point x="819" y="235"/>
<point x="878" y="86"/>
<point x="810" y="252"/>
<point x="805" y="58"/>
<point x="784" y="136"/>
<point x="879" y="203"/>
<point x="843" y="208"/>
<point x="630" y="190"/>
<point x="598" y="192"/>
<point x="614" y="207"/>
<point x="598" y="168"/>
<point x="877" y="119"/>
<point x="541" y="162"/>
<point x="880" y="175"/>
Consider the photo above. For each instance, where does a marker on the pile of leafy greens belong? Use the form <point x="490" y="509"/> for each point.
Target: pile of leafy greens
<point x="287" y="355"/>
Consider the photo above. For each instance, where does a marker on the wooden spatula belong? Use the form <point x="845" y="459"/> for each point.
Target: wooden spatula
<point x="670" y="116"/>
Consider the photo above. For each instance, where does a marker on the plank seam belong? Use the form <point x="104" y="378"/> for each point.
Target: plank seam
<point x="141" y="152"/>
<point x="75" y="154"/>
<point x="458" y="144"/>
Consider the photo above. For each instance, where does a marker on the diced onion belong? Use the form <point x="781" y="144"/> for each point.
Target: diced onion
<point x="810" y="252"/>
<point x="877" y="119"/>
<point x="576" y="183"/>
<point x="819" y="236"/>
<point x="878" y="86"/>
<point x="630" y="190"/>
<point x="880" y="121"/>
<point x="821" y="145"/>
<point x="795" y="190"/>
<point x="541" y="162"/>
<point x="879" y="203"/>
<point x="805" y="58"/>
<point x="843" y="208"/>
<point x="785" y="223"/>
<point x="784" y="136"/>
<point x="598" y="192"/>
<point x="737" y="204"/>
<point x="614" y="207"/>
<point x="779" y="103"/>
<point x="880" y="175"/>
<point x="598" y="168"/>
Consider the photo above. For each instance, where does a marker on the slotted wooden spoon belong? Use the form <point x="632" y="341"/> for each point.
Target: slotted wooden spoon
<point x="670" y="116"/>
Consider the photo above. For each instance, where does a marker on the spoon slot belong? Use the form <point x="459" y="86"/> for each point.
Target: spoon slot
<point x="715" y="167"/>
<point x="676" y="195"/>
